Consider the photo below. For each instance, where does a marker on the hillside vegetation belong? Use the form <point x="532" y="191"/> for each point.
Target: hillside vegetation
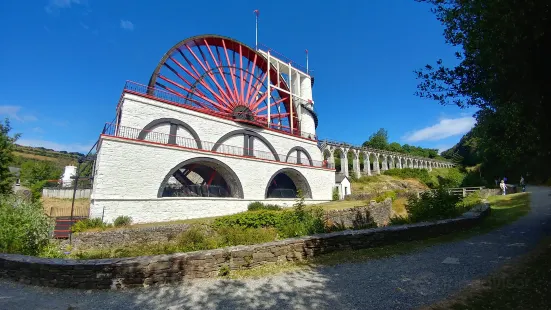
<point x="61" y="159"/>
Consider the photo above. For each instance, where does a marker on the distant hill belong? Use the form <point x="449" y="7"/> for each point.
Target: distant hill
<point x="29" y="153"/>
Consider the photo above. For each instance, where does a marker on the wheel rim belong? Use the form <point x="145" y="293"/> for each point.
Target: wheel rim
<point x="221" y="76"/>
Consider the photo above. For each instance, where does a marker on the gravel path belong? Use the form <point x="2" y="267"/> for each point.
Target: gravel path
<point x="402" y="282"/>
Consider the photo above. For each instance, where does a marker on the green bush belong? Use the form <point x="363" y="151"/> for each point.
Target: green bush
<point x="451" y="178"/>
<point x="382" y="197"/>
<point x="411" y="173"/>
<point x="399" y="220"/>
<point x="195" y="239"/>
<point x="24" y="228"/>
<point x="230" y="236"/>
<point x="298" y="223"/>
<point x="432" y="205"/>
<point x="250" y="219"/>
<point x="122" y="220"/>
<point x="86" y="224"/>
<point x="257" y="205"/>
<point x="469" y="202"/>
<point x="335" y="194"/>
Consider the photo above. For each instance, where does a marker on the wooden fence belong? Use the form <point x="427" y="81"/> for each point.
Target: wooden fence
<point x="459" y="191"/>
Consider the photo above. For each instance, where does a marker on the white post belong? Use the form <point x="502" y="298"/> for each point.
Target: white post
<point x="268" y="87"/>
<point x="256" y="12"/>
<point x="307" y="71"/>
<point x="290" y="97"/>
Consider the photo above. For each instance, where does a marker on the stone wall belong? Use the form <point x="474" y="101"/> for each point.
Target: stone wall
<point x="127" y="236"/>
<point x="148" y="270"/>
<point x="374" y="214"/>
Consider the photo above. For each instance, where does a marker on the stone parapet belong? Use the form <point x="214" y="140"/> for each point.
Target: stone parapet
<point x="173" y="268"/>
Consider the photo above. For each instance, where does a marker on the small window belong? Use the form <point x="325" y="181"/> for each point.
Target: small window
<point x="345" y="190"/>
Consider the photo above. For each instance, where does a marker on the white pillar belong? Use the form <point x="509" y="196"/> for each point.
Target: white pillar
<point x="356" y="164"/>
<point x="399" y="162"/>
<point x="367" y="168"/>
<point x="376" y="164"/>
<point x="344" y="163"/>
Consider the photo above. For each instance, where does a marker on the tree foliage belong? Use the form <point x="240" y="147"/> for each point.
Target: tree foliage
<point x="6" y="157"/>
<point x="503" y="71"/>
<point x="378" y="140"/>
<point x="33" y="172"/>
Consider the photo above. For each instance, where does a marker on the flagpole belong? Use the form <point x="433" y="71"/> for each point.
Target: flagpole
<point x="256" y="12"/>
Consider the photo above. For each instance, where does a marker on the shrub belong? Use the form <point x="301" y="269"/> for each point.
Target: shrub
<point x="86" y="224"/>
<point x="224" y="271"/>
<point x="432" y="205"/>
<point x="230" y="236"/>
<point x="469" y="202"/>
<point x="336" y="195"/>
<point x="195" y="239"/>
<point x="382" y="197"/>
<point x="411" y="173"/>
<point x="257" y="205"/>
<point x="451" y="178"/>
<point x="24" y="228"/>
<point x="250" y="219"/>
<point x="122" y="220"/>
<point x="399" y="220"/>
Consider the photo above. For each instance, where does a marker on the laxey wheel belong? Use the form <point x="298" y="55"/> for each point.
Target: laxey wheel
<point x="224" y="77"/>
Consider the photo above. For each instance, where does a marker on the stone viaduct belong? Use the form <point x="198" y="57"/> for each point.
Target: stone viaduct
<point x="374" y="161"/>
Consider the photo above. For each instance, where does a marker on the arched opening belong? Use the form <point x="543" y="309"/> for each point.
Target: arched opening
<point x="404" y="163"/>
<point x="201" y="177"/>
<point x="327" y="160"/>
<point x="286" y="183"/>
<point x="299" y="155"/>
<point x="382" y="162"/>
<point x="340" y="160"/>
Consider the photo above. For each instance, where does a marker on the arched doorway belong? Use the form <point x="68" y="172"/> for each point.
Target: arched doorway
<point x="286" y="183"/>
<point x="201" y="177"/>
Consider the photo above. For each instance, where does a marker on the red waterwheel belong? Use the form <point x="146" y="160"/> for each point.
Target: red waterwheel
<point x="224" y="77"/>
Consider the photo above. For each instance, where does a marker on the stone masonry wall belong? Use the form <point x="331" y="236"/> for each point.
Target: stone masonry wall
<point x="148" y="270"/>
<point x="377" y="213"/>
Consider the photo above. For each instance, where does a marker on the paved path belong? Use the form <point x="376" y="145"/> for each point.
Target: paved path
<point x="403" y="282"/>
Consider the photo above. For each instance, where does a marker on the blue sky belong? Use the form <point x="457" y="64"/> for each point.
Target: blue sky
<point x="64" y="62"/>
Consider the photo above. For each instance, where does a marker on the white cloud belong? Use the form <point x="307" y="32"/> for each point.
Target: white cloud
<point x="54" y="6"/>
<point x="84" y="26"/>
<point x="447" y="127"/>
<point x="12" y="112"/>
<point x="443" y="147"/>
<point x="72" y="147"/>
<point x="127" y="25"/>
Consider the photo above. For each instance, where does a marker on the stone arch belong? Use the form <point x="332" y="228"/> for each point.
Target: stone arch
<point x="298" y="180"/>
<point x="403" y="162"/>
<point x="343" y="159"/>
<point x="298" y="150"/>
<point x="174" y="124"/>
<point x="248" y="144"/>
<point x="231" y="179"/>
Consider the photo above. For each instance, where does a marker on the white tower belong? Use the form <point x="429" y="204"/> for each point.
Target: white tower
<point x="300" y="83"/>
<point x="69" y="172"/>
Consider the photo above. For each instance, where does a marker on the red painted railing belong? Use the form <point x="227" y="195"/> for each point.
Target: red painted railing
<point x="189" y="143"/>
<point x="163" y="95"/>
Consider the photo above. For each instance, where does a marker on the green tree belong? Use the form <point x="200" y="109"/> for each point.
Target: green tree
<point x="503" y="71"/>
<point x="378" y="140"/>
<point x="7" y="144"/>
<point x="395" y="147"/>
<point x="33" y="172"/>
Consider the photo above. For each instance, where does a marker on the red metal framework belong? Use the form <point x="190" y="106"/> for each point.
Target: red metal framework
<point x="218" y="74"/>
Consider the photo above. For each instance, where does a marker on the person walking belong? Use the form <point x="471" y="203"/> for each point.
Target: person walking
<point x="503" y="187"/>
<point x="522" y="184"/>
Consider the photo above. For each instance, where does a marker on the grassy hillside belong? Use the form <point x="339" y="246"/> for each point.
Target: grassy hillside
<point x="28" y="153"/>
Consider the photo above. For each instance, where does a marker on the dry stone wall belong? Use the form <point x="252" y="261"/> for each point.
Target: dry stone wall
<point x="149" y="270"/>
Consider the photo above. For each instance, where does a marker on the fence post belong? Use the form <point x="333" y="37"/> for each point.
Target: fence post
<point x="464" y="192"/>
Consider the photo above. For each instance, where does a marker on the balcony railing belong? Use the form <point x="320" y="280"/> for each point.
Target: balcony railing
<point x="189" y="143"/>
<point x="163" y="95"/>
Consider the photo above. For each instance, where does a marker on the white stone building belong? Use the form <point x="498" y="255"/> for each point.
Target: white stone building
<point x="342" y="183"/>
<point x="216" y="129"/>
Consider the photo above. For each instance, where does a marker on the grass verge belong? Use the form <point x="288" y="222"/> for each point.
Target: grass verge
<point x="524" y="285"/>
<point x="505" y="210"/>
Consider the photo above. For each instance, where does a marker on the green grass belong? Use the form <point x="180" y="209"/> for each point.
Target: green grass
<point x="524" y="285"/>
<point x="504" y="210"/>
